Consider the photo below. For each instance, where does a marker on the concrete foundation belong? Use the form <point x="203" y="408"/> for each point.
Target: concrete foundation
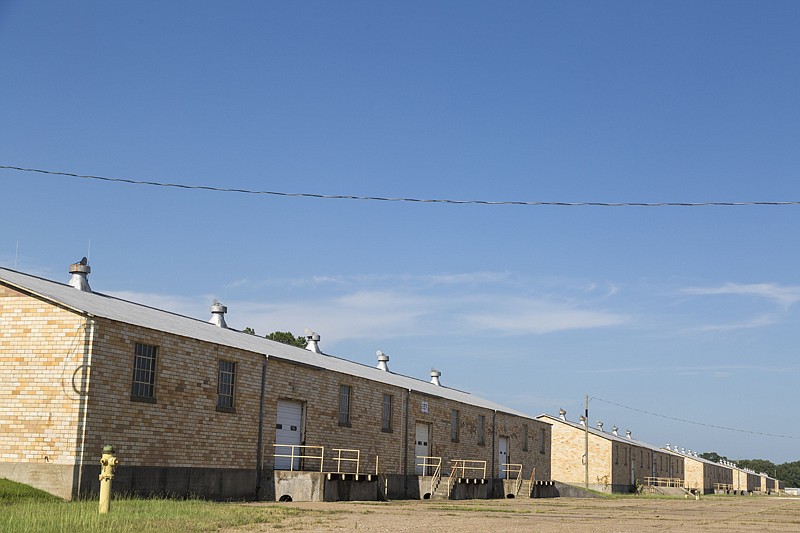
<point x="321" y="487"/>
<point x="206" y="483"/>
<point x="55" y="479"/>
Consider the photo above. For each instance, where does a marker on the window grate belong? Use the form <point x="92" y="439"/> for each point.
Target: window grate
<point x="225" y="384"/>
<point x="144" y="371"/>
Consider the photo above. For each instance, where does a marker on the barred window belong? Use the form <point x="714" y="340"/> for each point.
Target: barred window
<point x="144" y="372"/>
<point x="524" y="437"/>
<point x="543" y="445"/>
<point x="225" y="384"/>
<point x="481" y="430"/>
<point x="344" y="405"/>
<point x="386" y="418"/>
<point x="454" y="425"/>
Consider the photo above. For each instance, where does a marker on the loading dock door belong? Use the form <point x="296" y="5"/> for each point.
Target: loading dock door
<point x="288" y="430"/>
<point x="421" y="447"/>
<point x="503" y="457"/>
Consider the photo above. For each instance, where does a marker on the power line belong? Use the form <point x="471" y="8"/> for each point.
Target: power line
<point x="398" y="199"/>
<point x="696" y="423"/>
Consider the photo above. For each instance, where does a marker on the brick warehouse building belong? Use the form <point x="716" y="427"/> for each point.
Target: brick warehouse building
<point x="616" y="463"/>
<point x="194" y="407"/>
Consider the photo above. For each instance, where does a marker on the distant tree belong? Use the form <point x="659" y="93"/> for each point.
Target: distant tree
<point x="249" y="331"/>
<point x="759" y="465"/>
<point x="789" y="473"/>
<point x="713" y="456"/>
<point x="286" y="337"/>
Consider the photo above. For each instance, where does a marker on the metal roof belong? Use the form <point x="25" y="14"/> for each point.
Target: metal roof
<point x="100" y="305"/>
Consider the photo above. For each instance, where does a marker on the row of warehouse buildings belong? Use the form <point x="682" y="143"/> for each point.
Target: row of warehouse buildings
<point x="195" y="407"/>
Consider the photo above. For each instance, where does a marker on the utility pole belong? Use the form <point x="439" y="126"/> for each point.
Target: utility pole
<point x="586" y="448"/>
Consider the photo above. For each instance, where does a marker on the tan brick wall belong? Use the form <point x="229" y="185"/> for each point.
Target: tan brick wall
<point x="610" y="461"/>
<point x="49" y="353"/>
<point x="183" y="427"/>
<point x="318" y="390"/>
<point x="702" y="475"/>
<point x="43" y="360"/>
<point x="568" y="449"/>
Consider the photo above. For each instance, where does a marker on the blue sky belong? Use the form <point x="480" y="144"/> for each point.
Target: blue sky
<point x="689" y="312"/>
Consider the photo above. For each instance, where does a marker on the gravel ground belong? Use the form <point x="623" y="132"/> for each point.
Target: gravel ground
<point x="633" y="514"/>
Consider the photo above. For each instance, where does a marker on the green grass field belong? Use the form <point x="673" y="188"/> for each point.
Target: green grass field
<point x="24" y="509"/>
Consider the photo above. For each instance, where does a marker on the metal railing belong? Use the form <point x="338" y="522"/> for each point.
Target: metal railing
<point x="723" y="486"/>
<point x="339" y="459"/>
<point x="663" y="482"/>
<point x="298" y="451"/>
<point x="461" y="466"/>
<point x="513" y="471"/>
<point x="436" y="464"/>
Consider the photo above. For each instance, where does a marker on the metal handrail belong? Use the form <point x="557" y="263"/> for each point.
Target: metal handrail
<point x="431" y="462"/>
<point x="339" y="459"/>
<point x="513" y="469"/>
<point x="663" y="481"/>
<point x="468" y="464"/>
<point x="301" y="453"/>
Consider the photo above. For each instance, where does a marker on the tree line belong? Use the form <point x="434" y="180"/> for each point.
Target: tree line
<point x="789" y="473"/>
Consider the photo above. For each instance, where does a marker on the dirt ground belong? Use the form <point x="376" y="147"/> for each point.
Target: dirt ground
<point x="634" y="514"/>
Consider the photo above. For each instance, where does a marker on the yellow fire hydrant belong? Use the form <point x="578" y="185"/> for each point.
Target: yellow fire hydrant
<point x="107" y="465"/>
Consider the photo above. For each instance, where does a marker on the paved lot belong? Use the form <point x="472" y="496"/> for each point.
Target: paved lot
<point x="730" y="513"/>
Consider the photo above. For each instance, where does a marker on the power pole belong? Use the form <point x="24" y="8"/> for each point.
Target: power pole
<point x="586" y="448"/>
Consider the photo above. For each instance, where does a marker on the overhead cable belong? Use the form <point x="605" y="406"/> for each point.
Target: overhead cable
<point x="696" y="423"/>
<point x="398" y="199"/>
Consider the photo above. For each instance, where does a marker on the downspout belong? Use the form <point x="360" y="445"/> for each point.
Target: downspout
<point x="405" y="447"/>
<point x="260" y="446"/>
<point x="83" y="407"/>
<point x="494" y="442"/>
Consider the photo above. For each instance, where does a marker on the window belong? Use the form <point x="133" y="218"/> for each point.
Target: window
<point x="225" y="383"/>
<point x="543" y="446"/>
<point x="344" y="405"/>
<point x="524" y="437"/>
<point x="454" y="425"/>
<point x="144" y="373"/>
<point x="481" y="430"/>
<point x="616" y="454"/>
<point x="386" y="418"/>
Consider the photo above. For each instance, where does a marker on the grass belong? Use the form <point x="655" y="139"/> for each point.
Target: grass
<point x="24" y="509"/>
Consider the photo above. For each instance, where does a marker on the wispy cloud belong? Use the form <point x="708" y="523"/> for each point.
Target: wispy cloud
<point x="545" y="319"/>
<point x="780" y="294"/>
<point x="756" y="322"/>
<point x="397" y="312"/>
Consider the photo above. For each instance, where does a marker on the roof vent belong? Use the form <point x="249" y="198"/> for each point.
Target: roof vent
<point x="383" y="361"/>
<point x="218" y="314"/>
<point x="600" y="425"/>
<point x="683" y="451"/>
<point x="562" y="414"/>
<point x="628" y="434"/>
<point x="80" y="271"/>
<point x="312" y="343"/>
<point x="435" y="375"/>
<point x="614" y="431"/>
<point x="582" y="420"/>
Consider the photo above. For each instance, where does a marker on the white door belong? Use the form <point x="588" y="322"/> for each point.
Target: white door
<point x="421" y="447"/>
<point x="503" y="457"/>
<point x="288" y="430"/>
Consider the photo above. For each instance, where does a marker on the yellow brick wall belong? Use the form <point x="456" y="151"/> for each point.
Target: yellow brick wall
<point x="318" y="390"/>
<point x="43" y="360"/>
<point x="183" y="428"/>
<point x="49" y="354"/>
<point x="568" y="449"/>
